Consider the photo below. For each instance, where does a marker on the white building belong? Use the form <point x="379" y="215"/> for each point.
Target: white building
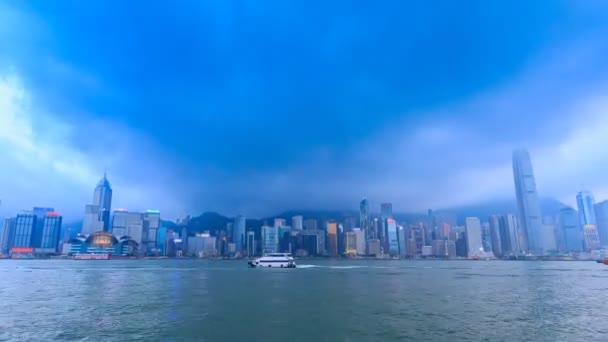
<point x="474" y="243"/>
<point x="131" y="224"/>
<point x="360" y="237"/>
<point x="297" y="222"/>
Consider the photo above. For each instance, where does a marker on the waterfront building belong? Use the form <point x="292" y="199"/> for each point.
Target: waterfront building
<point x="238" y="235"/>
<point x="151" y="225"/>
<point x="495" y="234"/>
<point x="486" y="237"/>
<point x="313" y="241"/>
<point x="411" y="248"/>
<point x="91" y="222"/>
<point x="279" y="222"/>
<point x="7" y="235"/>
<point x="101" y="243"/>
<point x="360" y="238"/>
<point x="591" y="237"/>
<point x="474" y="242"/>
<point x="251" y="250"/>
<point x="601" y="216"/>
<point x="51" y="233"/>
<point x="393" y="239"/>
<point x="401" y="238"/>
<point x="364" y="219"/>
<point x="297" y="222"/>
<point x="373" y="247"/>
<point x="569" y="229"/>
<point x="548" y="237"/>
<point x="270" y="239"/>
<point x="439" y="248"/>
<point x="527" y="203"/>
<point x="586" y="208"/>
<point x="450" y="249"/>
<point x="129" y="224"/>
<point x="332" y="238"/>
<point x="350" y="241"/>
<point x="509" y="241"/>
<point x="24" y="230"/>
<point x="310" y="224"/>
<point x="427" y="251"/>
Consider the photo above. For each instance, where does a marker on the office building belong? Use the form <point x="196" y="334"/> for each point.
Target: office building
<point x="386" y="211"/>
<point x="313" y="241"/>
<point x="450" y="249"/>
<point x="591" y="237"/>
<point x="570" y="230"/>
<point x="548" y="237"/>
<point x="364" y="219"/>
<point x="310" y="224"/>
<point x="586" y="208"/>
<point x="392" y="237"/>
<point x="474" y="242"/>
<point x="350" y="241"/>
<point x="238" y="234"/>
<point x="527" y="203"/>
<point x="251" y="247"/>
<point x="51" y="233"/>
<point x="373" y="247"/>
<point x="279" y="222"/>
<point x="297" y="222"/>
<point x="601" y="216"/>
<point x="25" y="224"/>
<point x="131" y="225"/>
<point x="402" y="238"/>
<point x="91" y="222"/>
<point x="7" y="235"/>
<point x="495" y="234"/>
<point x="332" y="238"/>
<point x="151" y="225"/>
<point x="360" y="237"/>
<point x="486" y="237"/>
<point x="427" y="251"/>
<point x="509" y="241"/>
<point x="440" y="248"/>
<point x="102" y="198"/>
<point x="270" y="239"/>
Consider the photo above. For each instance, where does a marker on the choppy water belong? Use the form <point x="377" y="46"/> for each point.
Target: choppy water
<point x="195" y="300"/>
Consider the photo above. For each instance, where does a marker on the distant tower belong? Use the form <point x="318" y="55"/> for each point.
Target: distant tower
<point x="364" y="219"/>
<point x="527" y="202"/>
<point x="586" y="208"/>
<point x="102" y="197"/>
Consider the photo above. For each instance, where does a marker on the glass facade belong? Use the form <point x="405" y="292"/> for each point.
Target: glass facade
<point x="7" y="235"/>
<point x="586" y="208"/>
<point x="393" y="239"/>
<point x="601" y="215"/>
<point x="570" y="230"/>
<point x="270" y="239"/>
<point x="527" y="202"/>
<point x="51" y="231"/>
<point x="238" y="235"/>
<point x="102" y="197"/>
<point x="24" y="230"/>
<point x="364" y="221"/>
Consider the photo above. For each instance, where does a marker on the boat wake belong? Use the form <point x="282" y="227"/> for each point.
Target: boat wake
<point x="332" y="267"/>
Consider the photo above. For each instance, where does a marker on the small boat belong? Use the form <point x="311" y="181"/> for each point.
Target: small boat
<point x="276" y="260"/>
<point x="91" y="256"/>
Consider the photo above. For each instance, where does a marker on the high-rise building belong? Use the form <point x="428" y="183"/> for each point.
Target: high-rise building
<point x="495" y="234"/>
<point x="527" y="202"/>
<point x="486" y="237"/>
<point x="102" y="197"/>
<point x="51" y="232"/>
<point x="297" y="222"/>
<point x="150" y="231"/>
<point x="24" y="229"/>
<point x="392" y="236"/>
<point x="474" y="242"/>
<point x="601" y="216"/>
<point x="270" y="239"/>
<point x="548" y="237"/>
<point x="251" y="250"/>
<point x="360" y="236"/>
<point x="238" y="235"/>
<point x="131" y="224"/>
<point x="439" y="248"/>
<point x="350" y="242"/>
<point x="592" y="238"/>
<point x="91" y="222"/>
<point x="509" y="236"/>
<point x="569" y="227"/>
<point x="332" y="238"/>
<point x="310" y="224"/>
<point x="586" y="208"/>
<point x="279" y="222"/>
<point x="386" y="210"/>
<point x="7" y="235"/>
<point x="450" y="249"/>
<point x="402" y="238"/>
<point x="364" y="220"/>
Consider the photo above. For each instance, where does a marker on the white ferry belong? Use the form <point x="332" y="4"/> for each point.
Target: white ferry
<point x="280" y="260"/>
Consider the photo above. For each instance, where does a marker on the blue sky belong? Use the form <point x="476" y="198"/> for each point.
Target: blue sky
<point x="255" y="107"/>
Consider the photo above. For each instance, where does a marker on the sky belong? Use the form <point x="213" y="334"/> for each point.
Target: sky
<point x="256" y="107"/>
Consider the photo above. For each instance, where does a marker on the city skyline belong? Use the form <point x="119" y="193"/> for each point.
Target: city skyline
<point x="312" y="120"/>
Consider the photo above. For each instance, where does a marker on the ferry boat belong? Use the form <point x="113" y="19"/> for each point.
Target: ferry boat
<point x="91" y="256"/>
<point x="277" y="260"/>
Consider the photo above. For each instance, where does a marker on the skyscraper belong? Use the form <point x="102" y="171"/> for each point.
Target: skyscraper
<point x="332" y="238"/>
<point x="386" y="210"/>
<point x="364" y="221"/>
<point x="570" y="230"/>
<point x="51" y="232"/>
<point x="495" y="234"/>
<point x="601" y="216"/>
<point x="238" y="235"/>
<point x="297" y="223"/>
<point x="131" y="224"/>
<point x="392" y="237"/>
<point x="592" y="238"/>
<point x="102" y="197"/>
<point x="6" y="235"/>
<point x="310" y="224"/>
<point x="150" y="231"/>
<point x="586" y="208"/>
<point x="527" y="202"/>
<point x="474" y="242"/>
<point x="509" y="242"/>
<point x="24" y="230"/>
<point x="270" y="239"/>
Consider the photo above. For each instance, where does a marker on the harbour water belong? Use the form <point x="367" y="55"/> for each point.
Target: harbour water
<point x="203" y="300"/>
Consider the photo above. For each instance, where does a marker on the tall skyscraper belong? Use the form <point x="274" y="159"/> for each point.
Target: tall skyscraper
<point x="270" y="239"/>
<point x="386" y="210"/>
<point x="297" y="222"/>
<point x="509" y="241"/>
<point x="131" y="224"/>
<point x="495" y="234"/>
<point x="364" y="221"/>
<point x="392" y="237"/>
<point x="601" y="216"/>
<point x="24" y="229"/>
<point x="251" y="250"/>
<point x="310" y="224"/>
<point x="6" y="235"/>
<point x="527" y="202"/>
<point x="150" y="231"/>
<point x="102" y="197"/>
<point x="474" y="242"/>
<point x="586" y="208"/>
<point x="332" y="238"/>
<point x="592" y="238"/>
<point x="238" y="235"/>
<point x="570" y="230"/>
